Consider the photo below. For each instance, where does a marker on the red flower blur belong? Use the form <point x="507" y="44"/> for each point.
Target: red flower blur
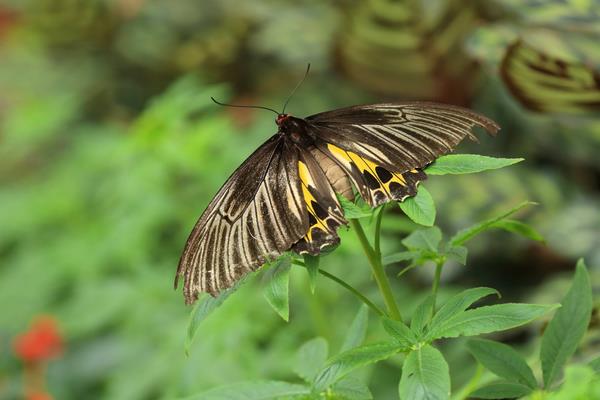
<point x="38" y="396"/>
<point x="41" y="342"/>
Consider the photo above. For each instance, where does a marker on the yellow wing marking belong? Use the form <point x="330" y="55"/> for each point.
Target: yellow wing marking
<point x="366" y="165"/>
<point x="307" y="181"/>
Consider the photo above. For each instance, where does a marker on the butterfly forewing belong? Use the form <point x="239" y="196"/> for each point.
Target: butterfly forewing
<point x="257" y="215"/>
<point x="382" y="147"/>
<point x="400" y="137"/>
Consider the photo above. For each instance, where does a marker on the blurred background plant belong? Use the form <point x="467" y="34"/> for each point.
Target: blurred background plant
<point x="110" y="149"/>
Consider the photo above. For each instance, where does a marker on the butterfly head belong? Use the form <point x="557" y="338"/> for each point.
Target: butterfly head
<point x="281" y="119"/>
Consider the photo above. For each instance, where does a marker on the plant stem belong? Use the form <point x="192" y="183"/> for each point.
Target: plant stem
<point x="376" y="244"/>
<point x="436" y="283"/>
<point x="349" y="287"/>
<point x="376" y="266"/>
<point x="354" y="291"/>
<point x="471" y="385"/>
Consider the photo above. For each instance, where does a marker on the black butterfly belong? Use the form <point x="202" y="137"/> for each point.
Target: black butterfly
<point x="283" y="197"/>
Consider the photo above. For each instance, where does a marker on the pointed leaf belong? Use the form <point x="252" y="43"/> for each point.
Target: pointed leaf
<point x="425" y="375"/>
<point x="401" y="256"/>
<point x="358" y="329"/>
<point x="346" y="362"/>
<point x="420" y="208"/>
<point x="503" y="361"/>
<point x="312" y="267"/>
<point x="459" y="303"/>
<point x="488" y="319"/>
<point x="501" y="390"/>
<point x="353" y="211"/>
<point x="424" y="239"/>
<point x="400" y="332"/>
<point x="277" y="279"/>
<point x="310" y="358"/>
<point x="262" y="390"/>
<point x="352" y="389"/>
<point x="204" y="306"/>
<point x="465" y="235"/>
<point x="458" y="254"/>
<point x="520" y="228"/>
<point x="421" y="316"/>
<point x="467" y="164"/>
<point x="568" y="326"/>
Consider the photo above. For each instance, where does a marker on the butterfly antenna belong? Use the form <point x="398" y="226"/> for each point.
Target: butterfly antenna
<point x="296" y="88"/>
<point x="242" y="106"/>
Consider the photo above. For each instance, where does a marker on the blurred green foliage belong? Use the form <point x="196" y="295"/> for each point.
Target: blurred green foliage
<point x="110" y="149"/>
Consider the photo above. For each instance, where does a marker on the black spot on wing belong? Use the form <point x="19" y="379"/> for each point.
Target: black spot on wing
<point x="371" y="181"/>
<point x="321" y="213"/>
<point x="383" y="174"/>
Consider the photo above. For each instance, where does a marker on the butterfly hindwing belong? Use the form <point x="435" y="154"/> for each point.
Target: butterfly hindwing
<point x="257" y="215"/>
<point x="376" y="183"/>
<point x="324" y="210"/>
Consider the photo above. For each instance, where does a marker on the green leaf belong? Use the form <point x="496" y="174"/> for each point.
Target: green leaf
<point x="488" y="319"/>
<point x="420" y="208"/>
<point x="459" y="303"/>
<point x="501" y="390"/>
<point x="353" y="211"/>
<point x="400" y="332"/>
<point x="401" y="256"/>
<point x="351" y="389"/>
<point x="262" y="390"/>
<point x="465" y="235"/>
<point x="425" y="375"/>
<point x="358" y="329"/>
<point x="277" y="279"/>
<point x="312" y="267"/>
<point x="503" y="361"/>
<point x="568" y="326"/>
<point x="204" y="306"/>
<point x="421" y="316"/>
<point x="519" y="228"/>
<point x="458" y="254"/>
<point x="310" y="358"/>
<point x="595" y="364"/>
<point x="346" y="362"/>
<point x="467" y="164"/>
<point x="424" y="239"/>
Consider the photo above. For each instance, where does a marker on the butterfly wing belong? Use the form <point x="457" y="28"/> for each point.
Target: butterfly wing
<point x="325" y="213"/>
<point x="257" y="215"/>
<point x="382" y="147"/>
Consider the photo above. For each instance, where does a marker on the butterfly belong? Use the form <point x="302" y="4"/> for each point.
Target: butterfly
<point x="283" y="197"/>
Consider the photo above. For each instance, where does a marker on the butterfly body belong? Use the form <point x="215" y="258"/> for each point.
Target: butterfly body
<point x="283" y="197"/>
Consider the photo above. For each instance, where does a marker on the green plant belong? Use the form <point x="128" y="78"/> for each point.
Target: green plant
<point x="425" y="372"/>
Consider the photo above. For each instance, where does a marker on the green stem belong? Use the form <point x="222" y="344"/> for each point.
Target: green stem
<point x="376" y="245"/>
<point x="471" y="385"/>
<point x="354" y="291"/>
<point x="378" y="272"/>
<point x="436" y="283"/>
<point x="349" y="287"/>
